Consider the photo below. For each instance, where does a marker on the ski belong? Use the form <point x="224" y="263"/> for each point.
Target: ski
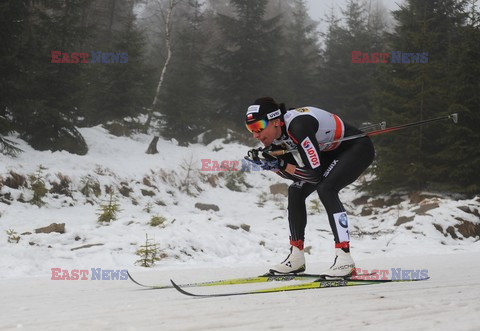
<point x="316" y="284"/>
<point x="238" y="281"/>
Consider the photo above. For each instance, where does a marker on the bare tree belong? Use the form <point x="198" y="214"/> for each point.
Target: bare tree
<point x="166" y="17"/>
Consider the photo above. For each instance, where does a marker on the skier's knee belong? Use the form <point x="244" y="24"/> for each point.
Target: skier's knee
<point x="325" y="192"/>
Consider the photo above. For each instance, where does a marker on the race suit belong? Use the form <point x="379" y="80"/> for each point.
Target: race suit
<point x="320" y="166"/>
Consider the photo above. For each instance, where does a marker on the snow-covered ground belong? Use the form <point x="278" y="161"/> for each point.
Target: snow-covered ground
<point x="244" y="237"/>
<point x="450" y="300"/>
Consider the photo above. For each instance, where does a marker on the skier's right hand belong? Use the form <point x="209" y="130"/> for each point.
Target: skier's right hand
<point x="253" y="156"/>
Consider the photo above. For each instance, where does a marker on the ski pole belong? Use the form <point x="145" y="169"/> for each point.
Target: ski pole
<point x="382" y="129"/>
<point x="454" y="117"/>
<point x="367" y="128"/>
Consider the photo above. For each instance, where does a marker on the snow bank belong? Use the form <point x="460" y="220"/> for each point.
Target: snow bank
<point x="250" y="226"/>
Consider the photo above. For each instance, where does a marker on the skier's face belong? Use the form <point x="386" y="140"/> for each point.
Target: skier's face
<point x="271" y="132"/>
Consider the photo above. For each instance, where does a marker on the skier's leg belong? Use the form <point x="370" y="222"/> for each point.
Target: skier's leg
<point x="297" y="219"/>
<point x="297" y="209"/>
<point x="345" y="167"/>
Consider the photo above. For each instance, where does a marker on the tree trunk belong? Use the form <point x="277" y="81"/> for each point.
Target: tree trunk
<point x="168" y="42"/>
<point x="152" y="148"/>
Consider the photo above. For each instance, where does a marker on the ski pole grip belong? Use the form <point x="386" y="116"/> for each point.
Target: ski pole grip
<point x="454" y="117"/>
<point x="278" y="153"/>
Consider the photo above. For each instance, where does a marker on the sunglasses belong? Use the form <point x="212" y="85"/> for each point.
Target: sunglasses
<point x="258" y="126"/>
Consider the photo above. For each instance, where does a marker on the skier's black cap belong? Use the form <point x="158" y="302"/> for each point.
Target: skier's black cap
<point x="263" y="108"/>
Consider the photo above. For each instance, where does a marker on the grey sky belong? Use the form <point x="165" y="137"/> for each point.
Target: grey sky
<point x="318" y="8"/>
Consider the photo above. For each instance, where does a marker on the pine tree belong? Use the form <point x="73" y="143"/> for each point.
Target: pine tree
<point x="149" y="253"/>
<point x="14" y="58"/>
<point x="108" y="211"/>
<point x="412" y="159"/>
<point x="120" y="90"/>
<point x="332" y="38"/>
<point x="455" y="167"/>
<point x="246" y="64"/>
<point x="301" y="59"/>
<point x="7" y="147"/>
<point x="51" y="92"/>
<point x="14" y="18"/>
<point x="38" y="187"/>
<point x="346" y="86"/>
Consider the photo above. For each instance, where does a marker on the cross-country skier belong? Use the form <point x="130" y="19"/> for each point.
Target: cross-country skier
<point x="313" y="165"/>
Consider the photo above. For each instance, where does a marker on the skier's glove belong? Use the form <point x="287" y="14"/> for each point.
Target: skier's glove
<point x="253" y="156"/>
<point x="275" y="163"/>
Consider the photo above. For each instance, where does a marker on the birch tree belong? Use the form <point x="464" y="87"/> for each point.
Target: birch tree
<point x="167" y="19"/>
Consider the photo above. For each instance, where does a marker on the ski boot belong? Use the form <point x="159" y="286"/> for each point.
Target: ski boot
<point x="293" y="264"/>
<point x="343" y="266"/>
